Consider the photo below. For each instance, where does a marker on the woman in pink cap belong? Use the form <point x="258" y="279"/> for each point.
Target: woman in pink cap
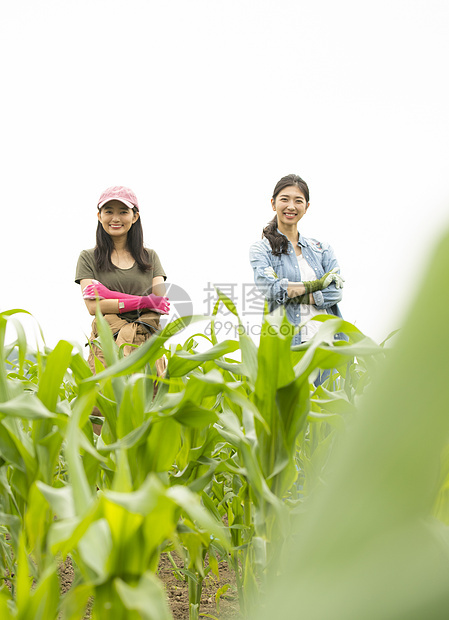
<point x="122" y="276"/>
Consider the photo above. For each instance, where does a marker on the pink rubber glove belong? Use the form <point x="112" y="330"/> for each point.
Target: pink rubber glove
<point x="127" y="302"/>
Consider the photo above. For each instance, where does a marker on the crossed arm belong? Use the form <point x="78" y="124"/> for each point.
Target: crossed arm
<point x="114" y="302"/>
<point x="303" y="291"/>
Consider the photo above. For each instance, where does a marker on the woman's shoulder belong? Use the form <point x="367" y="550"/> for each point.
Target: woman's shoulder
<point x="152" y="257"/>
<point x="261" y="244"/>
<point x="85" y="267"/>
<point x="88" y="253"/>
<point x="259" y="250"/>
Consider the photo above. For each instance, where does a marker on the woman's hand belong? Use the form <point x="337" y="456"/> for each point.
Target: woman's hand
<point x="156" y="303"/>
<point x="97" y="290"/>
<point x="318" y="285"/>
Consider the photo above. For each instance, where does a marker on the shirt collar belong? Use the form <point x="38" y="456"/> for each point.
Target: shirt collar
<point x="301" y="239"/>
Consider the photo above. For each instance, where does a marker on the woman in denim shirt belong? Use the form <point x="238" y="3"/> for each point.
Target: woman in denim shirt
<point x="299" y="273"/>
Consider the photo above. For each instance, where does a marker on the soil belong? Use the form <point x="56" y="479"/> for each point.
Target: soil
<point x="177" y="591"/>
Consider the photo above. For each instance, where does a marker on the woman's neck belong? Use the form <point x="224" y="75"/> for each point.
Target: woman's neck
<point x="121" y="246"/>
<point x="291" y="232"/>
<point x="121" y="257"/>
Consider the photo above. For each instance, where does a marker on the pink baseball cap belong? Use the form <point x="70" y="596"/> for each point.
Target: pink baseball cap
<point x="118" y="192"/>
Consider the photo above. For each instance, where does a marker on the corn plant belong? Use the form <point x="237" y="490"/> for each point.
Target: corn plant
<point x="216" y="465"/>
<point x="277" y="412"/>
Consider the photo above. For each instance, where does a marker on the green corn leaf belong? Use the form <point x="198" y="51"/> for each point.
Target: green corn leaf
<point x="247" y="346"/>
<point x="44" y="600"/>
<point x="108" y="346"/>
<point x="191" y="504"/>
<point x="319" y="355"/>
<point x="57" y="363"/>
<point x="133" y="438"/>
<point x="147" y="353"/>
<point x="274" y="364"/>
<point x="147" y="598"/>
<point x="4" y="316"/>
<point x="122" y="480"/>
<point x="220" y="593"/>
<point x="23" y="578"/>
<point x="74" y="602"/>
<point x="184" y="362"/>
<point x="60" y="499"/>
<point x="22" y="444"/>
<point x="82" y="493"/>
<point x="235" y="368"/>
<point x="227" y="302"/>
<point x="37" y="521"/>
<point x="143" y="499"/>
<point x="80" y="367"/>
<point x="163" y="444"/>
<point x="5" y="611"/>
<point x="140" y="522"/>
<point x="26" y="405"/>
<point x="189" y="414"/>
<point x="340" y="325"/>
<point x="213" y="334"/>
<point x="249" y="356"/>
<point x="127" y="555"/>
<point x="129" y="412"/>
<point x="4" y="391"/>
<point x="96" y="548"/>
<point x="14" y="525"/>
<point x="21" y="343"/>
<point x="205" y="469"/>
<point x="330" y="418"/>
<point x="65" y="535"/>
<point x="47" y="452"/>
<point x="209" y="504"/>
<point x="9" y="451"/>
<point x="335" y="405"/>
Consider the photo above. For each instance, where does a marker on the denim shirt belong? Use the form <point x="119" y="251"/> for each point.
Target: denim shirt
<point x="321" y="259"/>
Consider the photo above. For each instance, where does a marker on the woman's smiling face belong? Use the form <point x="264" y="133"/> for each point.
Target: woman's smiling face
<point x="116" y="218"/>
<point x="290" y="206"/>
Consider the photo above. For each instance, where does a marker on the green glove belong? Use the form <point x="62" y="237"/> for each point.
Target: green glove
<point x="318" y="285"/>
<point x="302" y="299"/>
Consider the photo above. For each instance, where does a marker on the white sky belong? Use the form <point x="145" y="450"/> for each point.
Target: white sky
<point x="200" y="106"/>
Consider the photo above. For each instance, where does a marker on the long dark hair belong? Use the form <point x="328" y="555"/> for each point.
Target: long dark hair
<point x="278" y="242"/>
<point x="105" y="246"/>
